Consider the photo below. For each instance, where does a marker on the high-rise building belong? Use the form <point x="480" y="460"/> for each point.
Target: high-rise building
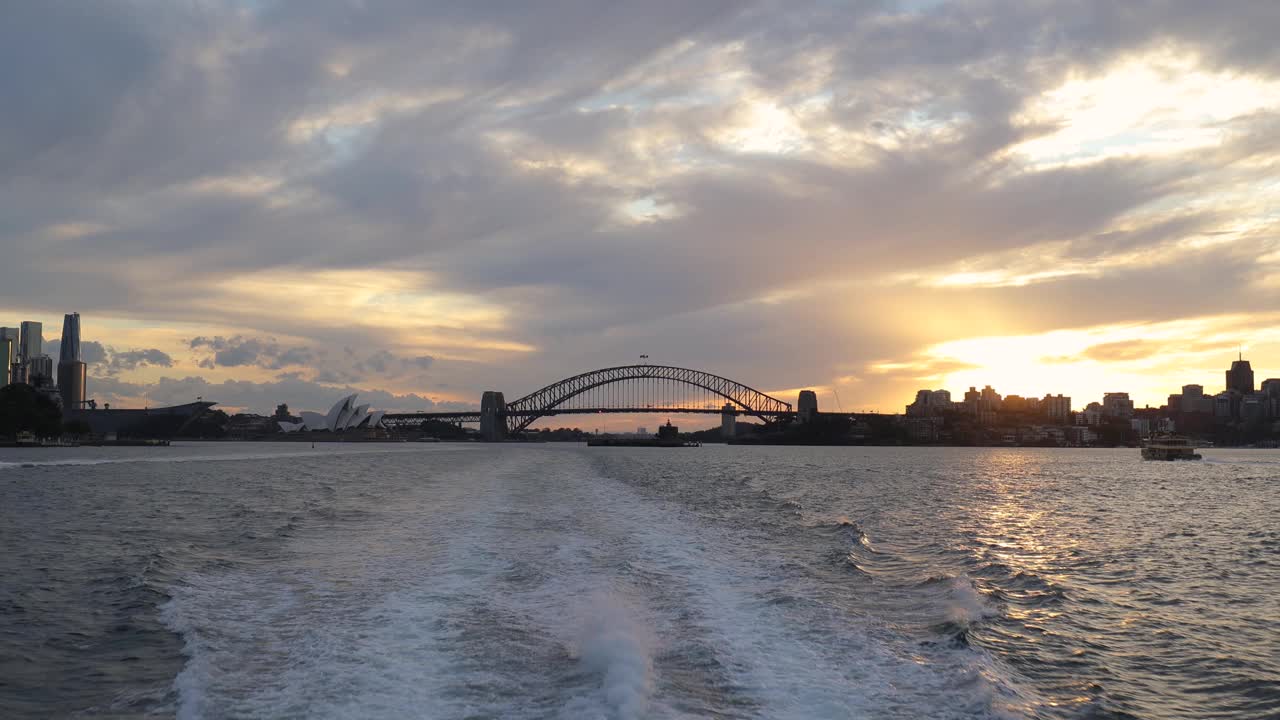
<point x="11" y="370"/>
<point x="6" y="361"/>
<point x="728" y="421"/>
<point x="72" y="373"/>
<point x="1240" y="376"/>
<point x="31" y="345"/>
<point x="72" y="378"/>
<point x="990" y="399"/>
<point x="69" y="348"/>
<point x="40" y="370"/>
<point x="807" y="405"/>
<point x="1057" y="407"/>
<point x="1117" y="405"/>
<point x="929" y="403"/>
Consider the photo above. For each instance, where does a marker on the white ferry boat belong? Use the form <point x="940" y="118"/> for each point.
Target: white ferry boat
<point x="1169" y="447"/>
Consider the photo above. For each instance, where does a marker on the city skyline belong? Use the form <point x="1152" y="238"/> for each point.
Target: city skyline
<point x="110" y="363"/>
<point x="419" y="204"/>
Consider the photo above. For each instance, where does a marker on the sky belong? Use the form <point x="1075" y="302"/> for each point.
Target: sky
<point x="272" y="201"/>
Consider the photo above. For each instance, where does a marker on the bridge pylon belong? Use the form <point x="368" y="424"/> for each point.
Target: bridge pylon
<point x="493" y="416"/>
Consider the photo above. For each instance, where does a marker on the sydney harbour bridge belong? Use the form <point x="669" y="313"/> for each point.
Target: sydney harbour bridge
<point x="633" y="389"/>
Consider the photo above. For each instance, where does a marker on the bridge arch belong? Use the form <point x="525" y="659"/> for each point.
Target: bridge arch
<point x="747" y="400"/>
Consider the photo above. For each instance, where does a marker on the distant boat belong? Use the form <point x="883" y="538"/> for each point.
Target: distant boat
<point x="1170" y="447"/>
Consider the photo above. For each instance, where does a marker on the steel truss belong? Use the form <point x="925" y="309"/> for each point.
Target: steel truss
<point x="648" y="383"/>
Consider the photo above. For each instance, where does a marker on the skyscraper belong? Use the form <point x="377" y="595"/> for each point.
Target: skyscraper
<point x="69" y="348"/>
<point x="10" y="372"/>
<point x="31" y="345"/>
<point x="71" y="372"/>
<point x="6" y="360"/>
<point x="1240" y="376"/>
<point x="71" y="384"/>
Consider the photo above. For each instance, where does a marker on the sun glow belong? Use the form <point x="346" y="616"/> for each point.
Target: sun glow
<point x="1149" y="361"/>
<point x="1152" y="104"/>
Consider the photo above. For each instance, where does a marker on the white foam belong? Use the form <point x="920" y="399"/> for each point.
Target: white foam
<point x="965" y="604"/>
<point x="177" y="454"/>
<point x="526" y="579"/>
<point x="615" y="647"/>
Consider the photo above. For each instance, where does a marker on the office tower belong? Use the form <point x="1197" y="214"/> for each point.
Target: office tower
<point x="69" y="348"/>
<point x="12" y="335"/>
<point x="1240" y="376"/>
<point x="72" y="378"/>
<point x="31" y="344"/>
<point x="6" y="361"/>
<point x="72" y="373"/>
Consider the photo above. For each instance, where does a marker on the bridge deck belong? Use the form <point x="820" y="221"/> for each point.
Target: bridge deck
<point x="474" y="417"/>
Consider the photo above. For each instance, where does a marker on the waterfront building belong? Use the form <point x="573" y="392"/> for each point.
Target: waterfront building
<point x="160" y="422"/>
<point x="344" y="415"/>
<point x="1240" y="376"/>
<point x="1057" y="407"/>
<point x="1117" y="405"/>
<point x="31" y="343"/>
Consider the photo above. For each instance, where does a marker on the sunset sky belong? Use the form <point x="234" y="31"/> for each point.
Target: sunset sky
<point x="279" y="200"/>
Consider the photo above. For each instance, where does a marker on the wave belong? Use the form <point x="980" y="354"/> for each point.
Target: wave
<point x="77" y="462"/>
<point x="617" y="648"/>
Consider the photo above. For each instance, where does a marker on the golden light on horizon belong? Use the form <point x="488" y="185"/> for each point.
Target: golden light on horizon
<point x="1147" y="360"/>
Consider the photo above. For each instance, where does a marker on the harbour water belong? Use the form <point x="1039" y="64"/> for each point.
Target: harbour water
<point x="545" y="581"/>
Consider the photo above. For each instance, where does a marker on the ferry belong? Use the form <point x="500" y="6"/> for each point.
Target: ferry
<point x="1170" y="447"/>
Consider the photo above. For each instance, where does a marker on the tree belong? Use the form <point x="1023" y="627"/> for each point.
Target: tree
<point x="282" y="412"/>
<point x="24" y="409"/>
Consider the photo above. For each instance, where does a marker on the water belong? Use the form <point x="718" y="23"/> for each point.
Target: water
<point x="463" y="581"/>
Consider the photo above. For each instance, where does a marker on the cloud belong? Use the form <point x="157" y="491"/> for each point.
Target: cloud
<point x="240" y="351"/>
<point x="719" y="183"/>
<point x="111" y="361"/>
<point x="259" y="397"/>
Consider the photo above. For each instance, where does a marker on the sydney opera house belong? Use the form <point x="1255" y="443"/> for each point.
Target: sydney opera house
<point x="345" y="415"/>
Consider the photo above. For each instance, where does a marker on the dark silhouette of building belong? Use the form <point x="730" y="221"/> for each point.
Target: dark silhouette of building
<point x="31" y="344"/>
<point x="1240" y="377"/>
<point x="807" y="405"/>
<point x="69" y="348"/>
<point x="72" y="373"/>
<point x="72" y="378"/>
<point x="1117" y="405"/>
